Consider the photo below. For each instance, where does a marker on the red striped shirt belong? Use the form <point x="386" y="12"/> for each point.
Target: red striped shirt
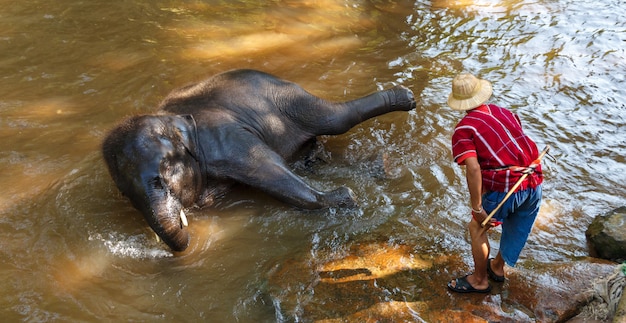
<point x="495" y="137"/>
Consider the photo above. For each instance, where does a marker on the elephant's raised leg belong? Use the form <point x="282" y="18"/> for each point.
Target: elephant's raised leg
<point x="338" y="118"/>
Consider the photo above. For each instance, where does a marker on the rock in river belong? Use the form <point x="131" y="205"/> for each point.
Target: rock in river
<point x="606" y="236"/>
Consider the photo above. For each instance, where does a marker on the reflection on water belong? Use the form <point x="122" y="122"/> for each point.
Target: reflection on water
<point x="74" y="249"/>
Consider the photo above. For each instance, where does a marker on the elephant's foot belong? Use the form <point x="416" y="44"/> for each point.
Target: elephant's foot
<point x="341" y="197"/>
<point x="401" y="98"/>
<point x="379" y="165"/>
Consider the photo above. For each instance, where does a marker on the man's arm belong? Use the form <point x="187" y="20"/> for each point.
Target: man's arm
<point x="475" y="186"/>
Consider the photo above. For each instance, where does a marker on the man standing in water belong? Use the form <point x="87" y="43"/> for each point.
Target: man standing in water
<point x="490" y="143"/>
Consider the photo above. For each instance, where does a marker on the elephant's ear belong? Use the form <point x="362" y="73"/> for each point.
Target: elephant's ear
<point x="188" y="132"/>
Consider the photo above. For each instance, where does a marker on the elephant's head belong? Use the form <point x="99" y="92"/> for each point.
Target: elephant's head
<point x="153" y="161"/>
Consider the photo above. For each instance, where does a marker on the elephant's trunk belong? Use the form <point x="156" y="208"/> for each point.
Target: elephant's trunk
<point x="171" y="229"/>
<point x="166" y="217"/>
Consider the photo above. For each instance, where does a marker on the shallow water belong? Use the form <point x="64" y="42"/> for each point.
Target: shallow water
<point x="73" y="248"/>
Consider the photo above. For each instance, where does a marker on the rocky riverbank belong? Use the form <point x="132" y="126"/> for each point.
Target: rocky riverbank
<point x="376" y="282"/>
<point x="373" y="281"/>
<point x="606" y="237"/>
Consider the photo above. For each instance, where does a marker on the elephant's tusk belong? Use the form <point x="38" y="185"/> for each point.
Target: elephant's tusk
<point x="158" y="239"/>
<point x="183" y="218"/>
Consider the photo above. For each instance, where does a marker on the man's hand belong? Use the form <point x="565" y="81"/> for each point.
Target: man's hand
<point x="480" y="217"/>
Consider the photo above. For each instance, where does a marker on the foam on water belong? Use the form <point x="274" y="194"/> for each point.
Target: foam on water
<point x="135" y="246"/>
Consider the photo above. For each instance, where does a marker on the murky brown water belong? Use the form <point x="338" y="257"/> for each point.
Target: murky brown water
<point x="72" y="248"/>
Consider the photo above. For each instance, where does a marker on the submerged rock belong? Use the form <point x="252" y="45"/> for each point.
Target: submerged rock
<point x="373" y="281"/>
<point x="606" y="236"/>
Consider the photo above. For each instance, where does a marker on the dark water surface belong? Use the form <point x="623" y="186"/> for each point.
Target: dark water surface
<point x="73" y="249"/>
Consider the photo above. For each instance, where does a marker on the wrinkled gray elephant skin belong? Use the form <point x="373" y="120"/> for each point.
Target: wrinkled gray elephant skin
<point x="241" y="126"/>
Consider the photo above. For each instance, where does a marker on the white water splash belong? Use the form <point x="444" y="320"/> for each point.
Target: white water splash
<point x="137" y="246"/>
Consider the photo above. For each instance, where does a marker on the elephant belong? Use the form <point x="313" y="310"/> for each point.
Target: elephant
<point x="238" y="127"/>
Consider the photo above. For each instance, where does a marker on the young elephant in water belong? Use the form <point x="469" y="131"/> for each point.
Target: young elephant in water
<point x="237" y="127"/>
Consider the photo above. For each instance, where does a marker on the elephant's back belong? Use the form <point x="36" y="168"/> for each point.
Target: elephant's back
<point x="229" y="90"/>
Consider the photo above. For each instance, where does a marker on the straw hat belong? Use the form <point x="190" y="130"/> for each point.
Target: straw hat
<point x="468" y="92"/>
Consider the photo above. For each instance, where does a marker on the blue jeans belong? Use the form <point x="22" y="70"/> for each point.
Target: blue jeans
<point x="518" y="215"/>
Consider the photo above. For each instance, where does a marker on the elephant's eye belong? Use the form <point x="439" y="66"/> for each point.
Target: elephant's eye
<point x="157" y="183"/>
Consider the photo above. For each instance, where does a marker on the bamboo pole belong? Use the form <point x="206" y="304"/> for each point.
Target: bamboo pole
<point x="512" y="190"/>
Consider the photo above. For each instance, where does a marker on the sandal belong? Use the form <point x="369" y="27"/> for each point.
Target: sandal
<point x="463" y="286"/>
<point x="491" y="274"/>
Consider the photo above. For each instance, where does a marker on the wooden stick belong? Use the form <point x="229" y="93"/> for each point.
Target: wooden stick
<point x="511" y="191"/>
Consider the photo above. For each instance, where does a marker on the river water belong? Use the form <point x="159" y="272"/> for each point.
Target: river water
<point x="73" y="249"/>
